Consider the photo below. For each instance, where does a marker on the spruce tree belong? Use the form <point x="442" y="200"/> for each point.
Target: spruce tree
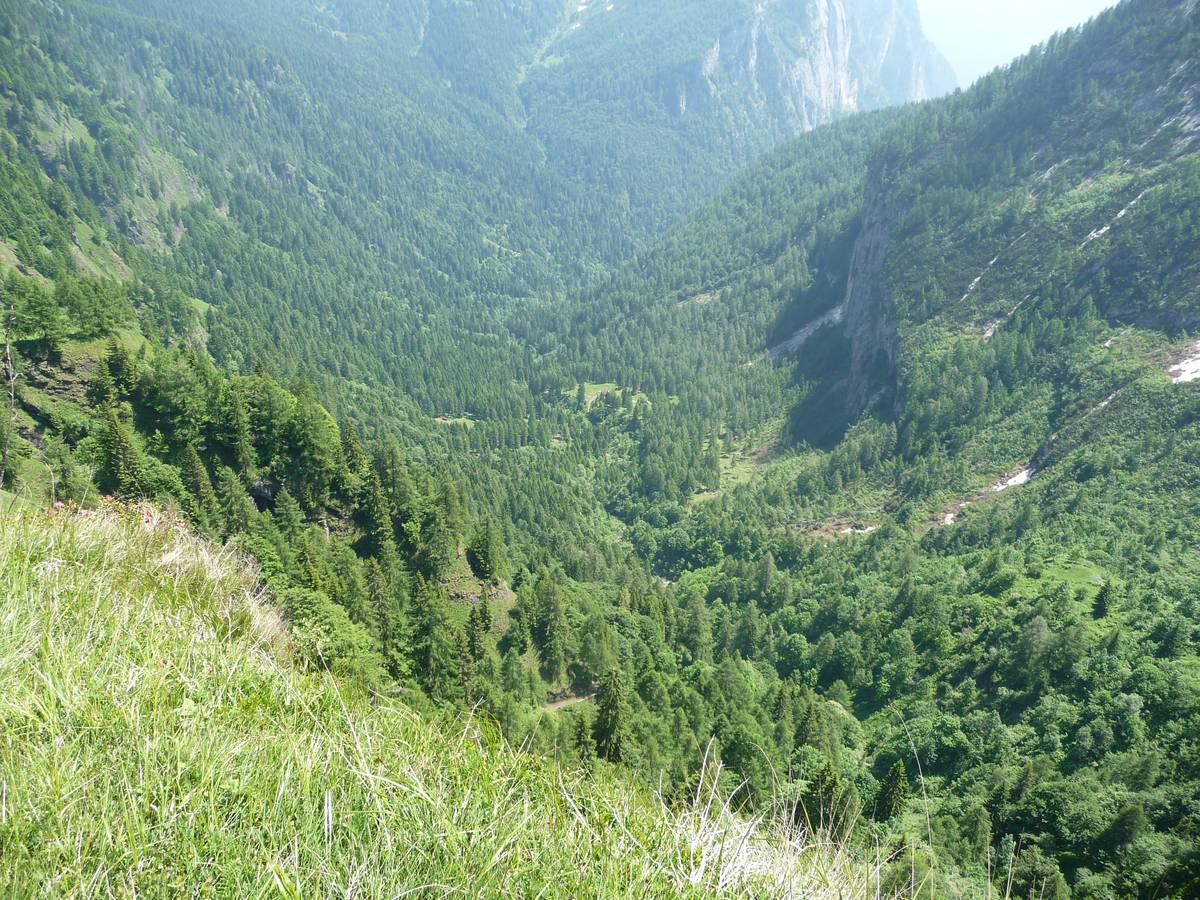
<point x="583" y="739"/>
<point x="697" y="629"/>
<point x="374" y="515"/>
<point x="387" y="585"/>
<point x="357" y="464"/>
<point x="1101" y="606"/>
<point x="234" y="505"/>
<point x="488" y="557"/>
<point x="894" y="794"/>
<point x="121" y="470"/>
<point x="234" y="429"/>
<point x="556" y="632"/>
<point x="435" y="649"/>
<point x="822" y="797"/>
<point x="42" y="317"/>
<point x="315" y="454"/>
<point x="612" y="717"/>
<point x="485" y="613"/>
<point x="196" y="480"/>
<point x="476" y="635"/>
<point x="288" y="514"/>
<point x="522" y="618"/>
<point x="8" y="455"/>
<point x="118" y="364"/>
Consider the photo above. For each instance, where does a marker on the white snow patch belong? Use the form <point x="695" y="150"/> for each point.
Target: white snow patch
<point x="1022" y="477"/>
<point x="860" y="529"/>
<point x="951" y="517"/>
<point x="796" y="340"/>
<point x="996" y="323"/>
<point x="995" y="259"/>
<point x="1100" y="232"/>
<point x="1050" y="171"/>
<point x="1188" y="369"/>
<point x="974" y="284"/>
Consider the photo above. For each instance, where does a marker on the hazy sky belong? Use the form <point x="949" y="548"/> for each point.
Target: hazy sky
<point x="978" y="35"/>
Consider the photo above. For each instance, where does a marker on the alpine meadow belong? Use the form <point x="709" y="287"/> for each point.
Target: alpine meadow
<point x="596" y="449"/>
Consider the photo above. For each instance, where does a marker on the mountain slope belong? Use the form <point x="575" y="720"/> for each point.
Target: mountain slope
<point x="665" y="101"/>
<point x="877" y="474"/>
<point x="337" y="179"/>
<point x="160" y="739"/>
<point x="949" y="394"/>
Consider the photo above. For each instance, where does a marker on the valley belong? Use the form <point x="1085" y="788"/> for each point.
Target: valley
<point x="655" y="449"/>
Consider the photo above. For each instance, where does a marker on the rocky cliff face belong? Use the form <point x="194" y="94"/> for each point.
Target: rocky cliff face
<point x="869" y="311"/>
<point x="792" y="65"/>
<point x="670" y="98"/>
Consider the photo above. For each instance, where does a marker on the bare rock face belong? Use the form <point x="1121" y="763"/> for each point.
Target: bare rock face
<point x="672" y="97"/>
<point x="870" y="308"/>
<point x="793" y="65"/>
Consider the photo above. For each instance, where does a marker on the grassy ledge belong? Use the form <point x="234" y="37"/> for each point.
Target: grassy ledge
<point x="156" y="739"/>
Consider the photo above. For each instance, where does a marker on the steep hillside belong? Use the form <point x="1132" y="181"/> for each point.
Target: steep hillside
<point x="160" y="738"/>
<point x="947" y="392"/>
<point x="659" y="99"/>
<point x="877" y="474"/>
<point x="358" y="189"/>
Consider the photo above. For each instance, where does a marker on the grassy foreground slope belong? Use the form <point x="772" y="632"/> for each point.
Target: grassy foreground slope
<point x="157" y="740"/>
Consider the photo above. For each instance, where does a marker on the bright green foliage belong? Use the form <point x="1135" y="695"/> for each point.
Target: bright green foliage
<point x="894" y="794"/>
<point x="611" y="728"/>
<point x="325" y="637"/>
<point x="121" y="469"/>
<point x="70" y="481"/>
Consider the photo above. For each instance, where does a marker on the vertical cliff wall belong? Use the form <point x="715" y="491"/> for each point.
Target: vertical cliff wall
<point x="792" y="66"/>
<point x="870" y="308"/>
<point x="673" y="98"/>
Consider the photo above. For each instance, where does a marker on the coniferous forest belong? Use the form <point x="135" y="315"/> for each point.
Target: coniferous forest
<point x="549" y="370"/>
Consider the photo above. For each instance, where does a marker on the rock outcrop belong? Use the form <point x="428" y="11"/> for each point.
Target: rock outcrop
<point x="792" y="66"/>
<point x="672" y="99"/>
<point x="870" y="307"/>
